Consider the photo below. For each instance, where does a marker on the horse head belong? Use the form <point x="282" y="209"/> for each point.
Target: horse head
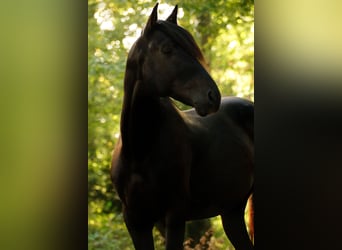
<point x="170" y="64"/>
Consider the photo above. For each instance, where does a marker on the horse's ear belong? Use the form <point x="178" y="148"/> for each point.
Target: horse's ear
<point x="173" y="17"/>
<point x="152" y="19"/>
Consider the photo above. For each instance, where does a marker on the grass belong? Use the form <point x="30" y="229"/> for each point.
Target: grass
<point x="108" y="231"/>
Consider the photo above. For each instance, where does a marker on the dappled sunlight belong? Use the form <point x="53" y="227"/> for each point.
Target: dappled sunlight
<point x="131" y="35"/>
<point x="235" y="74"/>
<point x="104" y="17"/>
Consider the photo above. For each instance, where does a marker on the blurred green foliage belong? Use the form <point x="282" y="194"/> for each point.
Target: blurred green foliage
<point x="224" y="31"/>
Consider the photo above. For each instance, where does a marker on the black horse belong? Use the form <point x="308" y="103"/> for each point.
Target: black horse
<point x="174" y="166"/>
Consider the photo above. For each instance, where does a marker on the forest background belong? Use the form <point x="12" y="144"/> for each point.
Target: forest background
<point x="224" y="30"/>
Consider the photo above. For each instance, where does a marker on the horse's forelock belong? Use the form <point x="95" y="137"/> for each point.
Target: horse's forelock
<point x="182" y="38"/>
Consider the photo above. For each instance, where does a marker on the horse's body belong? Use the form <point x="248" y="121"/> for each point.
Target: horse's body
<point x="222" y="158"/>
<point x="174" y="166"/>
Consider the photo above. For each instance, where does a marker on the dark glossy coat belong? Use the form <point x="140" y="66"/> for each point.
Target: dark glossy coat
<point x="173" y="166"/>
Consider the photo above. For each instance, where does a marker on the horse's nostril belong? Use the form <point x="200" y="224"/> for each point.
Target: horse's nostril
<point x="211" y="97"/>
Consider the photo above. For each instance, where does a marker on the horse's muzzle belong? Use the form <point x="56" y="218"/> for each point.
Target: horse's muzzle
<point x="209" y="104"/>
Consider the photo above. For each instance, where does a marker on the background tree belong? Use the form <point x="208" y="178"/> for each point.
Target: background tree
<point x="224" y="31"/>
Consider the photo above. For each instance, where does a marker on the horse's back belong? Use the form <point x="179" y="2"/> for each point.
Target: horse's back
<point x="241" y="111"/>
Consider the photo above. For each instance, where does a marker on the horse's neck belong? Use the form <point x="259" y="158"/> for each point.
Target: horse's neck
<point x="142" y="121"/>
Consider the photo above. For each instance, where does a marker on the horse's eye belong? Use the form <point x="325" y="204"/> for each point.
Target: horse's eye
<point x="167" y="49"/>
